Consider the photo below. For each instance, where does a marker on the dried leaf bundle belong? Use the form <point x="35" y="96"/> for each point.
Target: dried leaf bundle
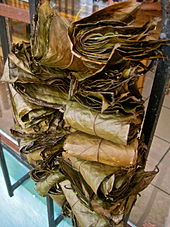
<point x="113" y="127"/>
<point x="93" y="148"/>
<point x="78" y="109"/>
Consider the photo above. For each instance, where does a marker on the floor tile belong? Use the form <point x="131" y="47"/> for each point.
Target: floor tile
<point x="152" y="206"/>
<point x="167" y="221"/>
<point x="157" y="150"/>
<point x="163" y="126"/>
<point x="162" y="180"/>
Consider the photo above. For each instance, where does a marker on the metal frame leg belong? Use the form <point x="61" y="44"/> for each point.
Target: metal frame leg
<point x="5" y="172"/>
<point x="50" y="210"/>
<point x="10" y="188"/>
<point x="59" y="219"/>
<point x="4" y="38"/>
<point x="32" y="8"/>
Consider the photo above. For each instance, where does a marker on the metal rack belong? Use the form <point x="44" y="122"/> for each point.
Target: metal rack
<point x="12" y="187"/>
<point x="159" y="87"/>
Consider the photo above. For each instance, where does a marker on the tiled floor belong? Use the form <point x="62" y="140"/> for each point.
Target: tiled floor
<point x="154" y="204"/>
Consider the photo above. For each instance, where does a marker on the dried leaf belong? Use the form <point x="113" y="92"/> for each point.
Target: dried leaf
<point x="93" y="148"/>
<point x="84" y="216"/>
<point x="95" y="173"/>
<point x="43" y="187"/>
<point x="112" y="127"/>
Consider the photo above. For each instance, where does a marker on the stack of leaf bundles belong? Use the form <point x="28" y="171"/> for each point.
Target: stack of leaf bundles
<point x="78" y="110"/>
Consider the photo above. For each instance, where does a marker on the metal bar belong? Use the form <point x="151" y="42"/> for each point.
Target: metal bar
<point x="17" y="156"/>
<point x="10" y="143"/>
<point x="10" y="188"/>
<point x="15" y="13"/>
<point x="5" y="172"/>
<point x="159" y="87"/>
<point x="58" y="219"/>
<point x="32" y="8"/>
<point x="4" y="38"/>
<point x="163" y="6"/>
<point x="20" y="181"/>
<point x="156" y="99"/>
<point x="50" y="211"/>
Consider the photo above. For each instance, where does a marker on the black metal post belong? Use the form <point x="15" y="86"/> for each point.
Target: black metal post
<point x="160" y="83"/>
<point x="50" y="210"/>
<point x="20" y="181"/>
<point x="32" y="8"/>
<point x="5" y="172"/>
<point x="4" y="38"/>
<point x="10" y="188"/>
<point x="59" y="219"/>
<point x="17" y="156"/>
<point x="4" y="35"/>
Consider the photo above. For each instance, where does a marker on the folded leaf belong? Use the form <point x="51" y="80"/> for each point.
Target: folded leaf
<point x="141" y="180"/>
<point x="136" y="182"/>
<point x="93" y="148"/>
<point x="84" y="216"/>
<point x="113" y="212"/>
<point x="43" y="95"/>
<point x="59" y="198"/>
<point x="95" y="173"/>
<point x="45" y="168"/>
<point x="43" y="187"/>
<point x="114" y="91"/>
<point x="38" y="174"/>
<point x="113" y="127"/>
<point x="31" y="118"/>
<point x="35" y="155"/>
<point x="48" y="143"/>
<point x="35" y="120"/>
<point x="105" y="40"/>
<point x="121" y="11"/>
<point x="50" y="41"/>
